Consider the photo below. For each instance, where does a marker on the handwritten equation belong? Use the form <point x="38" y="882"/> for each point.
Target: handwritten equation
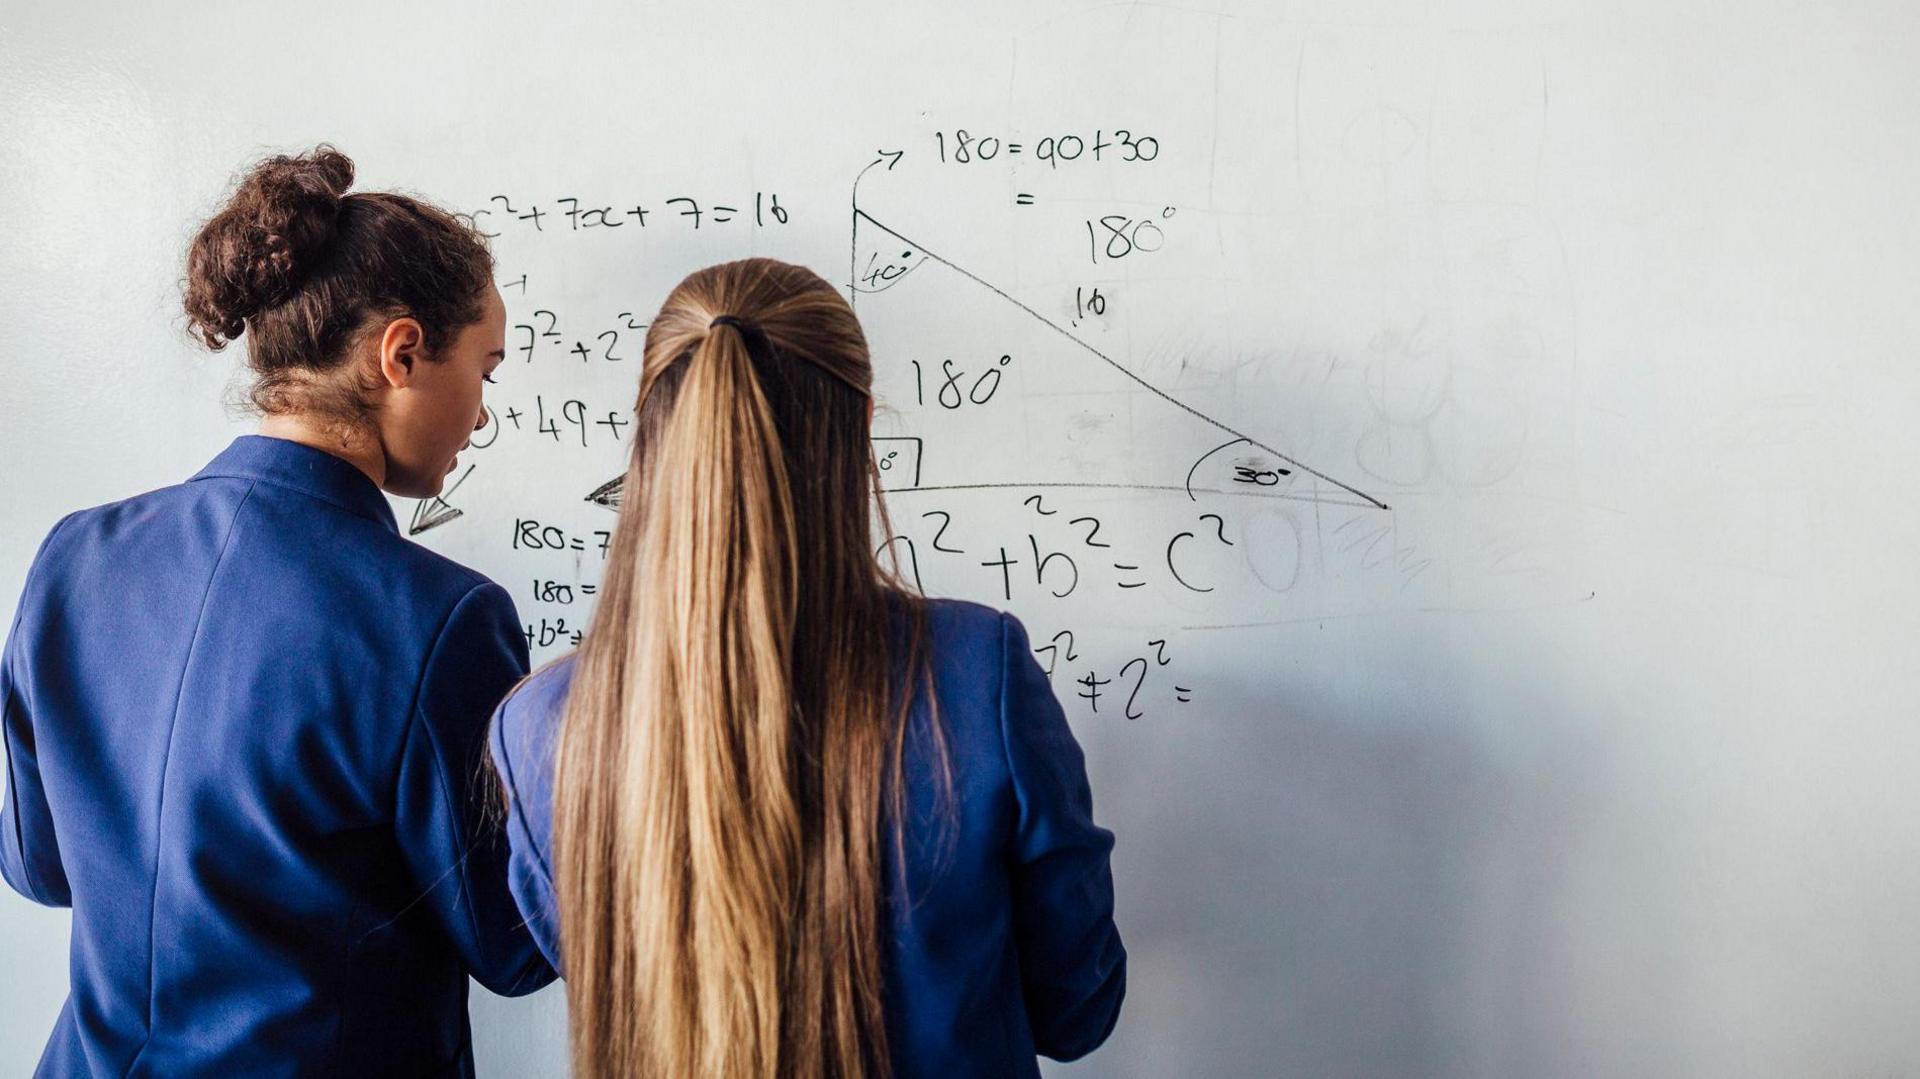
<point x="1107" y="555"/>
<point x="569" y="213"/>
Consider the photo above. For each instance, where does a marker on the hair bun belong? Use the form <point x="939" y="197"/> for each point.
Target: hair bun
<point x="254" y="253"/>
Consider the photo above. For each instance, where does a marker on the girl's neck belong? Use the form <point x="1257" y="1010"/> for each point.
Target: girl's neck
<point x="355" y="446"/>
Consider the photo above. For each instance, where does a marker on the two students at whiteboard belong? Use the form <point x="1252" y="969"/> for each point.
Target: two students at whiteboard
<point x="778" y="816"/>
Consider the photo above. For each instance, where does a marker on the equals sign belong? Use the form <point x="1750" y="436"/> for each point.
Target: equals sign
<point x="1124" y="584"/>
<point x="578" y="545"/>
<point x="1023" y="199"/>
<point x="1180" y="694"/>
<point x="1013" y="147"/>
<point x="588" y="589"/>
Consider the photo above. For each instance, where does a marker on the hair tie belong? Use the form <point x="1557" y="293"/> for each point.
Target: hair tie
<point x="759" y="346"/>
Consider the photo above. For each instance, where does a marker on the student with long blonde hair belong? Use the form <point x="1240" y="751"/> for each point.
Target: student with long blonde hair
<point x="779" y="816"/>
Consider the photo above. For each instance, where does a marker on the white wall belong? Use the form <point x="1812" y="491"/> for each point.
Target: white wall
<point x="1588" y="757"/>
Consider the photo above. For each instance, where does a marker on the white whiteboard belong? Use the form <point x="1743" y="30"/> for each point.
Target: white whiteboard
<point x="1587" y="755"/>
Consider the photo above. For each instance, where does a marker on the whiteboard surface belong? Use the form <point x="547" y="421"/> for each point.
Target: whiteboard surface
<point x="1499" y="416"/>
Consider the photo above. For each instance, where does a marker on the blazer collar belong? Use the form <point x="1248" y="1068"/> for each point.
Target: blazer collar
<point x="304" y="469"/>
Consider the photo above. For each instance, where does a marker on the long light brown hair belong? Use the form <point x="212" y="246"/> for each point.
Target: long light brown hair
<point x="733" y="738"/>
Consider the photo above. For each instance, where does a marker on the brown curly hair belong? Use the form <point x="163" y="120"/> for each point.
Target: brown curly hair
<point x="300" y="267"/>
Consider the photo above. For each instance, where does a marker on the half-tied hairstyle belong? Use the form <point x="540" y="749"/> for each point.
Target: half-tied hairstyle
<point x="732" y="748"/>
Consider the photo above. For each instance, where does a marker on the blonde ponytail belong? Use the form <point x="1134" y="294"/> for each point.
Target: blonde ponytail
<point x="730" y="731"/>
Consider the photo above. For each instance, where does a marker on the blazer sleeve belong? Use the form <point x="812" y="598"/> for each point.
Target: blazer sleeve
<point x="29" y="852"/>
<point x="529" y="876"/>
<point x="1073" y="968"/>
<point x="444" y="819"/>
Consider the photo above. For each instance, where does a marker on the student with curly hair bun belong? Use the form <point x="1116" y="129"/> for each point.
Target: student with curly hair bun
<point x="244" y="716"/>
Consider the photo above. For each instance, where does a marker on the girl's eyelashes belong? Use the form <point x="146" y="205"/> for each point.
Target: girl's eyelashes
<point x="488" y="377"/>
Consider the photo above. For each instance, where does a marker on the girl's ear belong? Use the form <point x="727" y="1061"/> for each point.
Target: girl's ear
<point x="403" y="341"/>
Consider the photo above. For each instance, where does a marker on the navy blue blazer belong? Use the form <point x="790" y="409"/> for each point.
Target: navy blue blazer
<point x="1003" y="942"/>
<point x="245" y="729"/>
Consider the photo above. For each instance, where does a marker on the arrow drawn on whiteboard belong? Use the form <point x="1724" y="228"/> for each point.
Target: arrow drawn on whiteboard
<point x="431" y="513"/>
<point x="608" y="493"/>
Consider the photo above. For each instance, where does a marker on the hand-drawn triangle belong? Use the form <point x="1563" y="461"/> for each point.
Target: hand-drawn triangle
<point x="1075" y="425"/>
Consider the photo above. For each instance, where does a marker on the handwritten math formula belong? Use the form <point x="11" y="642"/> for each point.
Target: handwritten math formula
<point x="1028" y="465"/>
